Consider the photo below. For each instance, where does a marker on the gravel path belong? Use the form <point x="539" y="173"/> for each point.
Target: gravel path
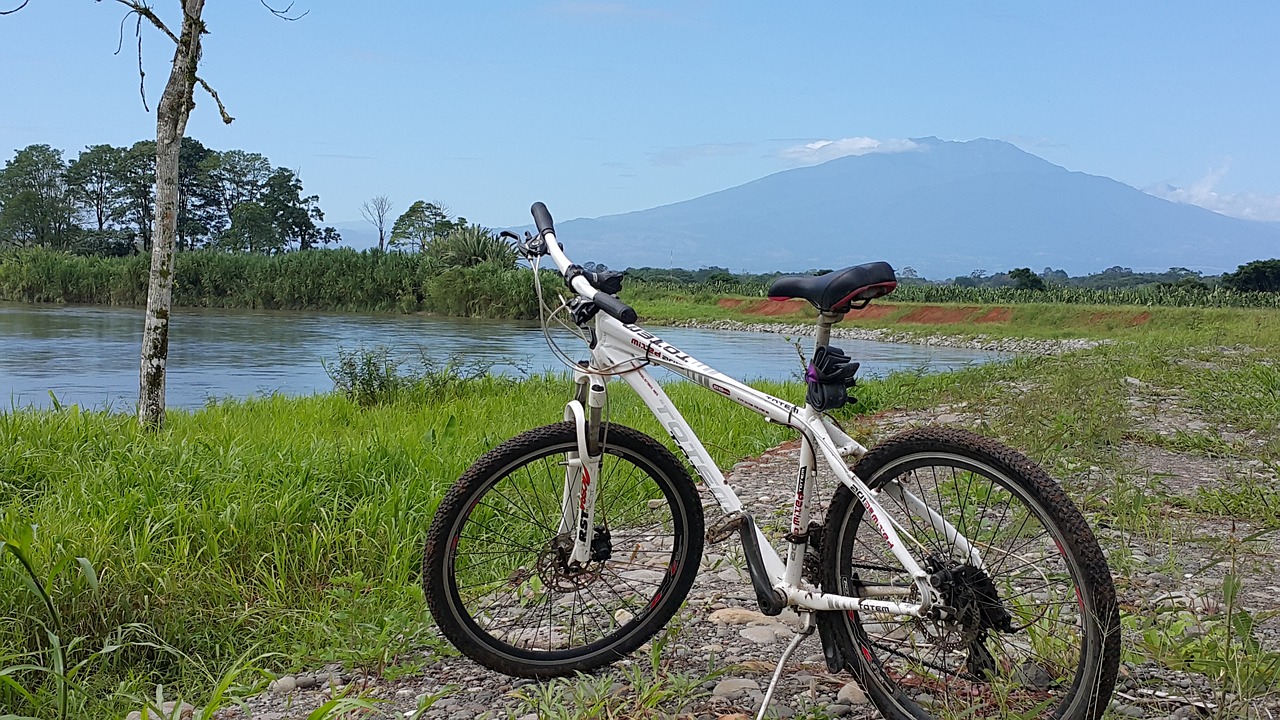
<point x="1025" y="346"/>
<point x="1176" y="567"/>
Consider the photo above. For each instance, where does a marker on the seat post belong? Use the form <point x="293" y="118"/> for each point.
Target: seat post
<point x="825" y="321"/>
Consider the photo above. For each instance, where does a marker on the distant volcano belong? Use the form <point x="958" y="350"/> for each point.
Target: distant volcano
<point x="945" y="208"/>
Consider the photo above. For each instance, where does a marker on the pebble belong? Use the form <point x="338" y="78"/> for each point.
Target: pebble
<point x="306" y="682"/>
<point x="168" y="711"/>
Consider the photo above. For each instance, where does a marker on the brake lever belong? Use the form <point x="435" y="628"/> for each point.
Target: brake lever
<point x="531" y="246"/>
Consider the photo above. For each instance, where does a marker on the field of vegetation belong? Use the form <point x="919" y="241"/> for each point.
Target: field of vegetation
<point x="342" y="280"/>
<point x="470" y="273"/>
<point x="280" y="533"/>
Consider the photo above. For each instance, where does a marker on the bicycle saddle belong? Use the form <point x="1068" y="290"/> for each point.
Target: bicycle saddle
<point x="838" y="291"/>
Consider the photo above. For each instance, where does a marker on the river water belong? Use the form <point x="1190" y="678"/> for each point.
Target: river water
<point x="88" y="355"/>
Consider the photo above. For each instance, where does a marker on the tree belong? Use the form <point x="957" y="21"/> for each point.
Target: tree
<point x="1026" y="279"/>
<point x="95" y="180"/>
<point x="176" y="103"/>
<point x="199" y="211"/>
<point x="1257" y="276"/>
<point x="422" y="223"/>
<point x="36" y="206"/>
<point x="235" y="177"/>
<point x="138" y="181"/>
<point x="252" y="229"/>
<point x="293" y="215"/>
<point x="375" y="210"/>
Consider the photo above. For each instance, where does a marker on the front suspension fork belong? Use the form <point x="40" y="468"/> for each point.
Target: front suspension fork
<point x="582" y="469"/>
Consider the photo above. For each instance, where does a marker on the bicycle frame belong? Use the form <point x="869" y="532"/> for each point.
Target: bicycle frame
<point x="622" y="350"/>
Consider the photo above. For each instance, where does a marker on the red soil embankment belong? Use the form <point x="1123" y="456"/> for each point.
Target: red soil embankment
<point x="995" y="315"/>
<point x="763" y="307"/>
<point x="938" y="315"/>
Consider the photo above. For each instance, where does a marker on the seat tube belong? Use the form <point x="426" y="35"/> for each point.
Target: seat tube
<point x="824" y="323"/>
<point x="798" y="538"/>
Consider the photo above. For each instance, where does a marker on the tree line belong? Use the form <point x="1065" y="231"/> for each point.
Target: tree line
<point x="1256" y="276"/>
<point x="102" y="202"/>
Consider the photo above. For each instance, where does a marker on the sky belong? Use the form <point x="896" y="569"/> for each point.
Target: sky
<point x="606" y="107"/>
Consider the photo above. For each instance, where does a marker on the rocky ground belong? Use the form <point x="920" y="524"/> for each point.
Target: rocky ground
<point x="717" y="662"/>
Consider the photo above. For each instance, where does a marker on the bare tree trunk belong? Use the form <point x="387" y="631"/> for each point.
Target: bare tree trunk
<point x="375" y="211"/>
<point x="171" y="124"/>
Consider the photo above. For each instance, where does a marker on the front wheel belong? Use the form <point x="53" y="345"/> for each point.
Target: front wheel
<point x="1031" y="627"/>
<point x="497" y="569"/>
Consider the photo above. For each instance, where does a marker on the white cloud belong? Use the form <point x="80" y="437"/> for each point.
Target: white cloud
<point x="1201" y="193"/>
<point x="820" y="151"/>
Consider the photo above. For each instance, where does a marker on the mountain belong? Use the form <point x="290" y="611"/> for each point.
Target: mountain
<point x="945" y="208"/>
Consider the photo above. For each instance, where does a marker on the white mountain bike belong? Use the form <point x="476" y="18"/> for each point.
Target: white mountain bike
<point x="950" y="575"/>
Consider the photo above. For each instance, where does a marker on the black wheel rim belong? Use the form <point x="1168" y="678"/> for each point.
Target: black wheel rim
<point x="1032" y="664"/>
<point x="505" y="563"/>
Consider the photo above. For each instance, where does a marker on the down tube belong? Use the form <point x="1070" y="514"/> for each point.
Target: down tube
<point x="674" y="423"/>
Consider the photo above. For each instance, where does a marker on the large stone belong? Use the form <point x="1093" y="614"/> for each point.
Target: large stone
<point x="736" y="616"/>
<point x="284" y="685"/>
<point x="732" y="686"/>
<point x="851" y="694"/>
<point x="761" y="634"/>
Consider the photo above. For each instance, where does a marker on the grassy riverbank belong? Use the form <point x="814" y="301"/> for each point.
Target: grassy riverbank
<point x="295" y="526"/>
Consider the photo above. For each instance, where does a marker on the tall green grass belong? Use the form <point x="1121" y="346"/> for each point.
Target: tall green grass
<point x="315" y="280"/>
<point x="293" y="525"/>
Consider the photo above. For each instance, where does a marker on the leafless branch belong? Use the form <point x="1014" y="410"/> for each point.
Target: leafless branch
<point x="144" y="11"/>
<point x="120" y="41"/>
<point x="24" y="4"/>
<point x="142" y="74"/>
<point x="222" y="110"/>
<point x="283" y="14"/>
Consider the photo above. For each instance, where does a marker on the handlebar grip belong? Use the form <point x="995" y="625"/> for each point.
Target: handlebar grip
<point x="615" y="307"/>
<point x="542" y="218"/>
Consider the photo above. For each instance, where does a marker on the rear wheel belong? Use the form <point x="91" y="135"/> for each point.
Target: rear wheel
<point x="497" y="572"/>
<point x="1032" y="631"/>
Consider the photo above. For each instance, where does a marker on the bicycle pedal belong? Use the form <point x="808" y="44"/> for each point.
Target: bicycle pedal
<point x="727" y="526"/>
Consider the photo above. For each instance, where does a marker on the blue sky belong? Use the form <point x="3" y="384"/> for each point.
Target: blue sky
<point x="606" y="107"/>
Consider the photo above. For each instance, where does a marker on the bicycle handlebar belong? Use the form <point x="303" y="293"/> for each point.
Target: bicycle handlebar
<point x="615" y="307"/>
<point x="542" y="218"/>
<point x="603" y="300"/>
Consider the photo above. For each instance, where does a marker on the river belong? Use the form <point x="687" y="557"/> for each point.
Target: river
<point x="88" y="355"/>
